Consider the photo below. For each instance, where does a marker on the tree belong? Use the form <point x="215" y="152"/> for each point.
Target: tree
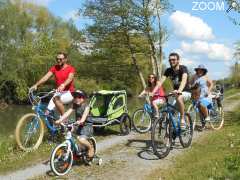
<point x="115" y="18"/>
<point x="30" y="38"/>
<point x="131" y="20"/>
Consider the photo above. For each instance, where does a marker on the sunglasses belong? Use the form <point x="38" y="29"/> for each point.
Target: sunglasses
<point x="172" y="59"/>
<point x="59" y="59"/>
<point x="151" y="77"/>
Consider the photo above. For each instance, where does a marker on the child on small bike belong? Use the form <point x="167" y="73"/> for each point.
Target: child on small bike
<point x="82" y="111"/>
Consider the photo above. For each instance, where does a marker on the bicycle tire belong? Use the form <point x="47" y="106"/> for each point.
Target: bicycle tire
<point x="158" y="126"/>
<point x="93" y="143"/>
<point x="146" y="123"/>
<point x="57" y="152"/>
<point x="218" y="123"/>
<point x="192" y="112"/>
<point x="188" y="131"/>
<point x="125" y="124"/>
<point x="20" y="125"/>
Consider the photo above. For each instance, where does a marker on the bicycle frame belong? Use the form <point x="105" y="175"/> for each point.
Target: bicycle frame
<point x="168" y="109"/>
<point x="147" y="108"/>
<point x="39" y="109"/>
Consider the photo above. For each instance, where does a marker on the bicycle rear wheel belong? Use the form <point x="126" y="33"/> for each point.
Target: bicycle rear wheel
<point x="217" y="118"/>
<point x="125" y="124"/>
<point x="93" y="144"/>
<point x="185" y="136"/>
<point x="161" y="137"/>
<point x="29" y="132"/>
<point x="192" y="112"/>
<point x="60" y="160"/>
<point x="141" y="121"/>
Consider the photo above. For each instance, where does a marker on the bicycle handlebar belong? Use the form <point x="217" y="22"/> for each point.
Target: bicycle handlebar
<point x="33" y="98"/>
<point x="165" y="96"/>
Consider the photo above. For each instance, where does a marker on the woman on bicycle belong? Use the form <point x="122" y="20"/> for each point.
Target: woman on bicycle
<point x="157" y="98"/>
<point x="82" y="111"/>
<point x="201" y="89"/>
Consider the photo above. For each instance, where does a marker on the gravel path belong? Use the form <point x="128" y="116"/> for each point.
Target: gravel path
<point x="132" y="159"/>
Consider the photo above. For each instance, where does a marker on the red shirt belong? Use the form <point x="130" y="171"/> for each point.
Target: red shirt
<point x="158" y="94"/>
<point x="61" y="75"/>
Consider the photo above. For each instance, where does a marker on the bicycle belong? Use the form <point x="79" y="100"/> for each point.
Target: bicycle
<point x="30" y="128"/>
<point x="142" y="118"/>
<point x="216" y="112"/>
<point x="64" y="154"/>
<point x="167" y="128"/>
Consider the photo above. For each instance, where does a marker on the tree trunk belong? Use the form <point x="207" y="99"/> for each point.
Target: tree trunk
<point x="154" y="69"/>
<point x="160" y="63"/>
<point x="134" y="60"/>
<point x="152" y="47"/>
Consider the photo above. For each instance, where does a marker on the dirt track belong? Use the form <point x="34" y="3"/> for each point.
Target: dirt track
<point x="125" y="157"/>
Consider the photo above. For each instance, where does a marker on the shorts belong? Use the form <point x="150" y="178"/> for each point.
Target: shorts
<point x="85" y="131"/>
<point x="65" y="96"/>
<point x="206" y="102"/>
<point x="158" y="101"/>
<point x="186" y="96"/>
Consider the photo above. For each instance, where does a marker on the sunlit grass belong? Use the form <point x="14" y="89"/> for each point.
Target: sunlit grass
<point x="214" y="156"/>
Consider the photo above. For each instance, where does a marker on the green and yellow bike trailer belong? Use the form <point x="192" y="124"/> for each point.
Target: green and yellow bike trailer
<point x="108" y="108"/>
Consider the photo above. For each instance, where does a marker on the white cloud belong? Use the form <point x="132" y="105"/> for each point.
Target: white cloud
<point x="74" y="15"/>
<point x="191" y="62"/>
<point x="188" y="26"/>
<point x="39" y="2"/>
<point x="214" y="51"/>
<point x="188" y="62"/>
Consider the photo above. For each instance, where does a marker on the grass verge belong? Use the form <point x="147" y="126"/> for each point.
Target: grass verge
<point x="215" y="156"/>
<point x="232" y="91"/>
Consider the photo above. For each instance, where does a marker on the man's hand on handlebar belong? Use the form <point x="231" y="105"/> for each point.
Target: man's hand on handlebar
<point x="61" y="88"/>
<point x="33" y="88"/>
<point x="176" y="92"/>
<point x="58" y="122"/>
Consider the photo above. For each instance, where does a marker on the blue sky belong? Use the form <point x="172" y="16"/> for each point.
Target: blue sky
<point x="200" y="31"/>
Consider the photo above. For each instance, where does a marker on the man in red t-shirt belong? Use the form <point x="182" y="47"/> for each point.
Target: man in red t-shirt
<point x="64" y="75"/>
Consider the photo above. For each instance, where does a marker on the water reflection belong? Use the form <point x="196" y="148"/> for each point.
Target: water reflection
<point x="10" y="115"/>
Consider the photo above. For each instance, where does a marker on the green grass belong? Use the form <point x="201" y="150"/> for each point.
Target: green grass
<point x="12" y="158"/>
<point x="215" y="155"/>
<point x="232" y="91"/>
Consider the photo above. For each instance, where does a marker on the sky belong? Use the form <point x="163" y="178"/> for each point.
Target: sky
<point x="200" y="31"/>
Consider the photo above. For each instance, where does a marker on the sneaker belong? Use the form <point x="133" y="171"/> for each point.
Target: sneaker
<point x="202" y="127"/>
<point x="207" y="119"/>
<point x="156" y="116"/>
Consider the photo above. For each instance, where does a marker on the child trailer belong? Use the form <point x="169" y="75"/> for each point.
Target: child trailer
<point x="108" y="108"/>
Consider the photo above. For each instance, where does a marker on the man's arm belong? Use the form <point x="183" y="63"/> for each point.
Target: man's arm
<point x="159" y="84"/>
<point x="183" y="82"/>
<point x="67" y="82"/>
<point x="42" y="80"/>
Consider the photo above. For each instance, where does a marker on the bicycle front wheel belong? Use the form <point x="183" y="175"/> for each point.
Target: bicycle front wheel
<point x="141" y="121"/>
<point x="217" y="120"/>
<point x="61" y="160"/>
<point x="186" y="135"/>
<point x="29" y="132"/>
<point x="161" y="137"/>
